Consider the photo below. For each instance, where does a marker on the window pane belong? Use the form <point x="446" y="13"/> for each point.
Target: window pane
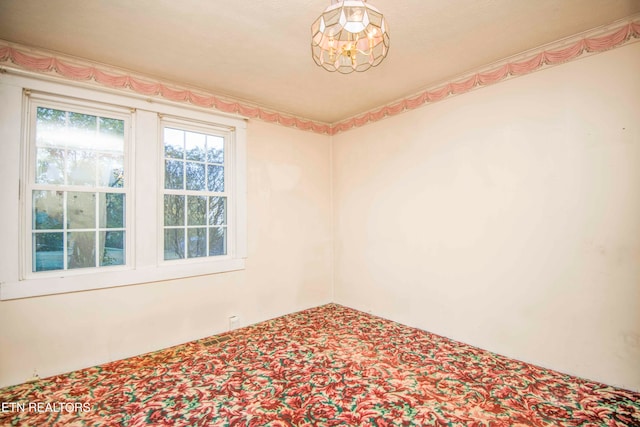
<point x="217" y="241"/>
<point x="81" y="210"/>
<point x="197" y="242"/>
<point x="81" y="168"/>
<point x="81" y="131"/>
<point x="81" y="249"/>
<point x="215" y="149"/>
<point x="111" y="210"/>
<point x="111" y="171"/>
<point x="215" y="176"/>
<point x="49" y="251"/>
<point x="50" y="166"/>
<point x="173" y="143"/>
<point x="82" y="122"/>
<point x="195" y="176"/>
<point x="174" y="174"/>
<point x="47" y="210"/>
<point x="174" y="243"/>
<point x="111" y="134"/>
<point x="173" y="210"/>
<point x="112" y="248"/>
<point x="49" y="124"/>
<point x="197" y="212"/>
<point x="217" y="210"/>
<point x="195" y="143"/>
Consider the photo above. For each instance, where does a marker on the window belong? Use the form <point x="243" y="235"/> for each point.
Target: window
<point x="77" y="185"/>
<point x="114" y="190"/>
<point x="195" y="190"/>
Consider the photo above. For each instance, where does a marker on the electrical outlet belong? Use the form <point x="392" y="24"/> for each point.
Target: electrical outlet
<point x="34" y="376"/>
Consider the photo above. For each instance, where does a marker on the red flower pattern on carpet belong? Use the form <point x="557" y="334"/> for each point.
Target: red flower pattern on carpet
<point x="326" y="366"/>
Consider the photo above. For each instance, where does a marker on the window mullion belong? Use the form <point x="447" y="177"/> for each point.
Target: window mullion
<point x="65" y="255"/>
<point x="96" y="244"/>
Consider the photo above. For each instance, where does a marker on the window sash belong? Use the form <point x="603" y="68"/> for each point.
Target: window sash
<point x="207" y="129"/>
<point x="28" y="266"/>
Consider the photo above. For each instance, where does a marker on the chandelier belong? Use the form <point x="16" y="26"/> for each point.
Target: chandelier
<point x="350" y="35"/>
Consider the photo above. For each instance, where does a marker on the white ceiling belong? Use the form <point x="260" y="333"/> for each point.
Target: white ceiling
<point x="259" y="50"/>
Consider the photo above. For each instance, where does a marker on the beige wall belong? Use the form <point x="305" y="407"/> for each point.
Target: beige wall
<point x="288" y="269"/>
<point x="507" y="218"/>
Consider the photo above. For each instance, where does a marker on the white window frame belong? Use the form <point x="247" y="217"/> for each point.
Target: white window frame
<point x="143" y="210"/>
<point x="33" y="100"/>
<point x="229" y="182"/>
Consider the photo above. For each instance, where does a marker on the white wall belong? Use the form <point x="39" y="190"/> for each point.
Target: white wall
<point x="288" y="269"/>
<point x="507" y="218"/>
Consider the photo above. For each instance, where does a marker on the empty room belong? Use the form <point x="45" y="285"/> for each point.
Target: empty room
<point x="320" y="213"/>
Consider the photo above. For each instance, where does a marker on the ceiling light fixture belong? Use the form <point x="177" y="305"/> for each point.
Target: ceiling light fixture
<point x="350" y="35"/>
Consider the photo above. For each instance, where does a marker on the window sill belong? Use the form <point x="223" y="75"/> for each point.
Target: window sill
<point x="109" y="279"/>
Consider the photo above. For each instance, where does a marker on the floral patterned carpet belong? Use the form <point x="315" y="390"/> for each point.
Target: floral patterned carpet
<point x="325" y="366"/>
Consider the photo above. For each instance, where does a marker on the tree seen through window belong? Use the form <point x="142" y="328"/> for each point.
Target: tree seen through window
<point x="195" y="202"/>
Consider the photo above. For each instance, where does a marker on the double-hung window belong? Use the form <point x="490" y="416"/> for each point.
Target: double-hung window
<point x="196" y="183"/>
<point x="77" y="186"/>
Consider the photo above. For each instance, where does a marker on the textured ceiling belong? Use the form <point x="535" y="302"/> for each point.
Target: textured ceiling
<point x="259" y="51"/>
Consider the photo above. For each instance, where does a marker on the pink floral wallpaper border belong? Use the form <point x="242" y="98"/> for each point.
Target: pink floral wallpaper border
<point x="44" y="62"/>
<point x="41" y="62"/>
<point x="614" y="38"/>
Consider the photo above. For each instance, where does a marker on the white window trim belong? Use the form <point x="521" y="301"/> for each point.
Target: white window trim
<point x="29" y="165"/>
<point x="144" y="266"/>
<point x="229" y="180"/>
